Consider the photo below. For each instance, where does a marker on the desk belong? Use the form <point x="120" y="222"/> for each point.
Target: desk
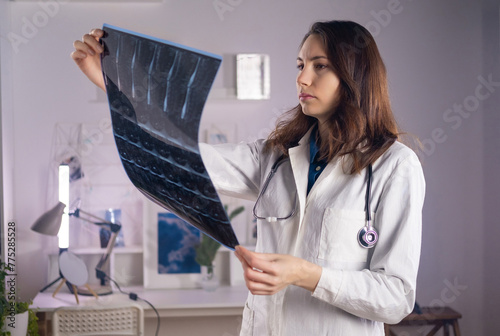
<point x="185" y="305"/>
<point x="439" y="317"/>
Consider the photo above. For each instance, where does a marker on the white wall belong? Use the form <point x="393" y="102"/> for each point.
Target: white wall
<point x="434" y="59"/>
<point x="6" y="116"/>
<point x="434" y="55"/>
<point x="491" y="129"/>
<point x="3" y="7"/>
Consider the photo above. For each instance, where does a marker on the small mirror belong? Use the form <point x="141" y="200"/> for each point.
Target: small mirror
<point x="73" y="269"/>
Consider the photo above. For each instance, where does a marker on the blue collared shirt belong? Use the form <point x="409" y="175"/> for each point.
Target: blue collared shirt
<point x="316" y="166"/>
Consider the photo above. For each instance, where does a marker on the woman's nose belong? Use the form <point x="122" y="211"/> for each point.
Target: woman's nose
<point x="304" y="78"/>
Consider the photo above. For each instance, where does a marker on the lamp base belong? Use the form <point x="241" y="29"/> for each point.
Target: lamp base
<point x="99" y="290"/>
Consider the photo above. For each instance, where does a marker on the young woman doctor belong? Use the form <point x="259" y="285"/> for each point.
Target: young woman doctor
<point x="338" y="197"/>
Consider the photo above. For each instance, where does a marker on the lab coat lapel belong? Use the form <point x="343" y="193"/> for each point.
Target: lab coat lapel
<point x="299" y="159"/>
<point x="326" y="174"/>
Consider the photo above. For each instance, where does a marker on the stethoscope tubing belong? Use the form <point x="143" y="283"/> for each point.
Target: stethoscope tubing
<point x="367" y="235"/>
<point x="274" y="168"/>
<point x="367" y="194"/>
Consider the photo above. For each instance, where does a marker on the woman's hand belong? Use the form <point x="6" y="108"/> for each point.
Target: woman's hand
<point x="87" y="56"/>
<point x="267" y="274"/>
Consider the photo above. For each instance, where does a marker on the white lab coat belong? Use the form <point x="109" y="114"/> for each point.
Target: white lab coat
<point x="359" y="288"/>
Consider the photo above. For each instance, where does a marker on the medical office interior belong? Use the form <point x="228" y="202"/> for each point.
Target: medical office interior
<point x="442" y="58"/>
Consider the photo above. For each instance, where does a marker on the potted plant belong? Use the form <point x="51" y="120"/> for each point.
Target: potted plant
<point x="16" y="317"/>
<point x="206" y="252"/>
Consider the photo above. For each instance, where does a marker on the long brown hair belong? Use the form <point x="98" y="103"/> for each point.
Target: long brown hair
<point x="362" y="126"/>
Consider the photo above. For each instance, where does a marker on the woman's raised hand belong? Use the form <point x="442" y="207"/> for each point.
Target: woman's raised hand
<point x="87" y="56"/>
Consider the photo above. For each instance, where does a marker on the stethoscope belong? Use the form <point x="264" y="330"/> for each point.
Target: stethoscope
<point x="367" y="236"/>
<point x="274" y="168"/>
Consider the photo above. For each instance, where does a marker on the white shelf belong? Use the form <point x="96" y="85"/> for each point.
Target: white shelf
<point x="116" y="250"/>
<point x="126" y="265"/>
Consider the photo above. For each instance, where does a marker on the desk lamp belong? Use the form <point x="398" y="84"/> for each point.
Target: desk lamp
<point x="49" y="224"/>
<point x="103" y="264"/>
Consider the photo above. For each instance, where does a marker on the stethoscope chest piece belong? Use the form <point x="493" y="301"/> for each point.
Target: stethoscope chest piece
<point x="367" y="236"/>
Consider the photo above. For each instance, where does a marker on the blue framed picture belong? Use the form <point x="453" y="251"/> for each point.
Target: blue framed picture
<point x="176" y="245"/>
<point x="169" y="250"/>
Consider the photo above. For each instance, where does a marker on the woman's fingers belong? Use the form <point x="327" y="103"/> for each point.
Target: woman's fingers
<point x="260" y="277"/>
<point x="88" y="45"/>
<point x="92" y="40"/>
<point x="257" y="288"/>
<point x="81" y="50"/>
<point x="92" y="43"/>
<point x="261" y="261"/>
<point x="77" y="55"/>
<point x="259" y="273"/>
<point x="87" y="56"/>
<point x="260" y="283"/>
<point x="97" y="32"/>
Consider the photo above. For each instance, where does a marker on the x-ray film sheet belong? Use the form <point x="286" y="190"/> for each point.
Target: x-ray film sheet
<point x="156" y="91"/>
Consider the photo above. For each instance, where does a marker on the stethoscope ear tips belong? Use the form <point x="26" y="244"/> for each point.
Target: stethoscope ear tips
<point x="367" y="236"/>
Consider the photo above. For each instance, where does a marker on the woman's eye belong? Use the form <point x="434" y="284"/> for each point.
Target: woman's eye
<point x="300" y="66"/>
<point x="321" y="66"/>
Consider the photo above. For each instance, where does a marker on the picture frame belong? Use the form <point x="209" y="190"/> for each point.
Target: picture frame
<point x="168" y="265"/>
<point x="253" y="77"/>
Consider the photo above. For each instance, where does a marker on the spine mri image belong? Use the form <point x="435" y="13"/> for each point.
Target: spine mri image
<point x="156" y="91"/>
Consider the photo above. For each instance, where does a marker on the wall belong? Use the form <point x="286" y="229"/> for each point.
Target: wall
<point x="3" y="7"/>
<point x="6" y="123"/>
<point x="491" y="129"/>
<point x="434" y="67"/>
<point x="433" y="52"/>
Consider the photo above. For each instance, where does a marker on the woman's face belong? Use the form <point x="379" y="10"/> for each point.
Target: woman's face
<point x="317" y="83"/>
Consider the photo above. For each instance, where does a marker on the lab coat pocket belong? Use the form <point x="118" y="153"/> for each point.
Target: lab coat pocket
<point x="247" y="321"/>
<point x="339" y="232"/>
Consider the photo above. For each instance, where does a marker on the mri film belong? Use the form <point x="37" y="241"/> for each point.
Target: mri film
<point x="156" y="92"/>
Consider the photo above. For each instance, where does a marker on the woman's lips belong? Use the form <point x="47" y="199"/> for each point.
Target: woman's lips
<point x="305" y="96"/>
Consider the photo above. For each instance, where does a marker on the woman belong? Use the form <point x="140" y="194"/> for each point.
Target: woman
<point x="310" y="275"/>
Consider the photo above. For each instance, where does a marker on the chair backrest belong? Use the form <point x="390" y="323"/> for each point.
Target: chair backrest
<point x="119" y="320"/>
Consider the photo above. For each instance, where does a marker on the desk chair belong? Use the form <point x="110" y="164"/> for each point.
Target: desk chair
<point x="122" y="320"/>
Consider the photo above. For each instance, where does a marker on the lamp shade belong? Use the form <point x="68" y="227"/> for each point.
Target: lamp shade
<point x="50" y="222"/>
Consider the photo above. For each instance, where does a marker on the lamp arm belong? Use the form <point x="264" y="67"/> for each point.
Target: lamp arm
<point x="77" y="212"/>
<point x="113" y="227"/>
<point x="105" y="258"/>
